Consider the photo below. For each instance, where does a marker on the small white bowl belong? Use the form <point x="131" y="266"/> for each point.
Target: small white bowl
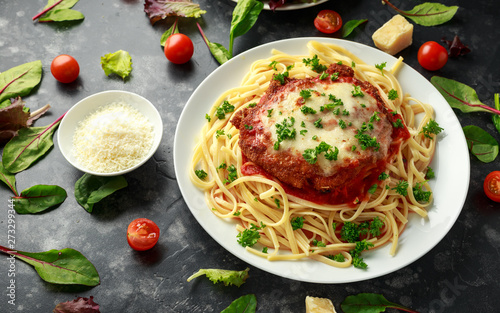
<point x="90" y="104"/>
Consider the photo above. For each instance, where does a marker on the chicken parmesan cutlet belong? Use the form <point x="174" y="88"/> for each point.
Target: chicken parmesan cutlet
<point x="326" y="139"/>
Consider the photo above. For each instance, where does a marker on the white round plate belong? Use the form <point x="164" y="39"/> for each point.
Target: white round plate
<point x="450" y="163"/>
<point x="292" y="6"/>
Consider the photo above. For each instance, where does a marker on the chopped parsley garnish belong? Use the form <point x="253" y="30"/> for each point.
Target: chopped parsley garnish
<point x="297" y="222"/>
<point x="353" y="148"/>
<point x="252" y="105"/>
<point x="314" y="64"/>
<point x="323" y="75"/>
<point x="353" y="64"/>
<point x="273" y="65"/>
<point x="269" y="112"/>
<point x="362" y="105"/>
<point x="357" y="91"/>
<point x="318" y="124"/>
<point x="332" y="154"/>
<point x="334" y="76"/>
<point x="224" y="108"/>
<point x="430" y="173"/>
<point x="222" y="166"/>
<point x="201" y="174"/>
<point x="209" y="119"/>
<point x="421" y="195"/>
<point x="342" y="124"/>
<point x="303" y="124"/>
<point x="232" y="174"/>
<point x="237" y="213"/>
<point x="219" y="132"/>
<point x="372" y="189"/>
<point x="375" y="117"/>
<point x="249" y="127"/>
<point x="248" y="237"/>
<point x="383" y="176"/>
<point x="392" y="95"/>
<point x="339" y="257"/>
<point x="318" y="243"/>
<point x="339" y="62"/>
<point x="365" y="141"/>
<point x="264" y="250"/>
<point x="307" y="110"/>
<point x="314" y="137"/>
<point x="402" y="188"/>
<point x="303" y="132"/>
<point x="281" y="77"/>
<point x="381" y="67"/>
<point x="277" y="201"/>
<point x="345" y="112"/>
<point x="336" y="111"/>
<point x="284" y="131"/>
<point x="310" y="156"/>
<point x="305" y="93"/>
<point x="350" y="232"/>
<point x="398" y="123"/>
<point x="432" y="127"/>
<point x="357" y="260"/>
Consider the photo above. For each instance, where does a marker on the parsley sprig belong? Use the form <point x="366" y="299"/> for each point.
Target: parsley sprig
<point x="224" y="108"/>
<point x="432" y="127"/>
<point x="284" y="131"/>
<point x="314" y="64"/>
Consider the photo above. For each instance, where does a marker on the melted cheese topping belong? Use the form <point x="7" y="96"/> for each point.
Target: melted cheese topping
<point x="308" y="135"/>
<point x="113" y="138"/>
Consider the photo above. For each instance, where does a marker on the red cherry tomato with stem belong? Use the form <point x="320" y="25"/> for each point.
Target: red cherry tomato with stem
<point x="65" y="68"/>
<point x="492" y="186"/>
<point x="328" y="21"/>
<point x="432" y="56"/>
<point x="142" y="234"/>
<point x="179" y="48"/>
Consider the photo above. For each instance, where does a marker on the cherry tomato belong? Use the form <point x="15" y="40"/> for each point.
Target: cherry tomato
<point x="328" y="21"/>
<point x="179" y="48"/>
<point x="142" y="234"/>
<point x="492" y="186"/>
<point x="65" y="68"/>
<point x="432" y="56"/>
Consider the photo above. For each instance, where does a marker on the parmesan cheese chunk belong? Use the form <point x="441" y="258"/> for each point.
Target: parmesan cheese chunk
<point x="319" y="305"/>
<point x="113" y="138"/>
<point x="394" y="36"/>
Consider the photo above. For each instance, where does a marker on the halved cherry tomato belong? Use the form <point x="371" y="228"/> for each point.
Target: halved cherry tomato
<point x="492" y="186"/>
<point x="179" y="48"/>
<point x="432" y="56"/>
<point x="328" y="21"/>
<point x="142" y="234"/>
<point x="65" y="68"/>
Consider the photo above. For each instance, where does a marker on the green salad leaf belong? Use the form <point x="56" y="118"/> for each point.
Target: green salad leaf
<point x="30" y="145"/>
<point x="428" y="13"/>
<point x="481" y="144"/>
<point x="244" y="304"/>
<point x="369" y="303"/>
<point x="59" y="11"/>
<point x="119" y="63"/>
<point x="350" y="26"/>
<point x="66" y="266"/>
<point x="228" y="277"/>
<point x="91" y="189"/>
<point x="19" y="81"/>
<point x="169" y="32"/>
<point x="8" y="178"/>
<point x="38" y="198"/>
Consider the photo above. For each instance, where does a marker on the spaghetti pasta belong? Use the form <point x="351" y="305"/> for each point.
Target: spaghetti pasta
<point x="261" y="204"/>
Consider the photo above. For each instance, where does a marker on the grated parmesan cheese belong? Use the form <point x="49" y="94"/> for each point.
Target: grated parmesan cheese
<point x="113" y="138"/>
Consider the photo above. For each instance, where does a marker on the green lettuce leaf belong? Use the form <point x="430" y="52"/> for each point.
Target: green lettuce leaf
<point x="227" y="277"/>
<point x="119" y="63"/>
<point x="161" y="9"/>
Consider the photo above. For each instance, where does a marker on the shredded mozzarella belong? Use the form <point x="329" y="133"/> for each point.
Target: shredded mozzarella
<point x="113" y="138"/>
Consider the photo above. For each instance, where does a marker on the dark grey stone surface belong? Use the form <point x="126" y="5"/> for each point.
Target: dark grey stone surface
<point x="459" y="275"/>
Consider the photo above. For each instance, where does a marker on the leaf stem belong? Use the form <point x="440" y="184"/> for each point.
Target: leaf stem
<point x="38" y="136"/>
<point x="40" y="111"/>
<point x="409" y="14"/>
<point x="9" y="83"/>
<point x="46" y="10"/>
<point x="492" y="110"/>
